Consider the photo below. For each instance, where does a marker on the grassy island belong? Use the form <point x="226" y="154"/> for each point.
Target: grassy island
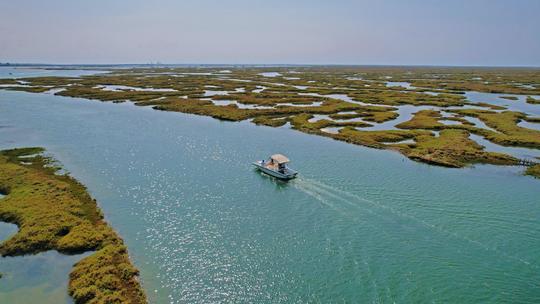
<point x="532" y="100"/>
<point x="509" y="97"/>
<point x="55" y="212"/>
<point x="533" y="171"/>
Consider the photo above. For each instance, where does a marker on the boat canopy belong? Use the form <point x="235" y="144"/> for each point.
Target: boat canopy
<point x="279" y="158"/>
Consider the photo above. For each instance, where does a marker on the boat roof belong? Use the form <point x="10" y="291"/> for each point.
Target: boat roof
<point x="280" y="158"/>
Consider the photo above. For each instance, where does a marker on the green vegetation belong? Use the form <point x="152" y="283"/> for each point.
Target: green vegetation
<point x="378" y="139"/>
<point x="350" y="98"/>
<point x="533" y="171"/>
<point x="454" y="148"/>
<point x="532" y="100"/>
<point x="510" y="134"/>
<point x="426" y="119"/>
<point x="55" y="212"/>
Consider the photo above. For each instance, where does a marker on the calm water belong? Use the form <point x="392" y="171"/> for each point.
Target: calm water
<point x="22" y="72"/>
<point x="519" y="105"/>
<point x="40" y="278"/>
<point x="359" y="225"/>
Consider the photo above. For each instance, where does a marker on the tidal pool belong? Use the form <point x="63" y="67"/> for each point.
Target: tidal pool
<point x="40" y="278"/>
<point x="529" y="125"/>
<point x="116" y="88"/>
<point x="270" y="74"/>
<point x="404" y="84"/>
<point x="405" y="113"/>
<point x="359" y="224"/>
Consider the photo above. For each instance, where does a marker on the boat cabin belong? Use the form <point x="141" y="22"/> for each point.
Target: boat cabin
<point x="276" y="166"/>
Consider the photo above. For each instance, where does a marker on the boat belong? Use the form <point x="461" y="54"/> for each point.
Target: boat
<point x="276" y="166"/>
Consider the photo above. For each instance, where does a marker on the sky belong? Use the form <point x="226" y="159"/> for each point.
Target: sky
<point x="381" y="32"/>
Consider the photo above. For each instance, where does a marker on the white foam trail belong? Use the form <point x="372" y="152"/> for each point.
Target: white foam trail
<point x="323" y="201"/>
<point x="319" y="190"/>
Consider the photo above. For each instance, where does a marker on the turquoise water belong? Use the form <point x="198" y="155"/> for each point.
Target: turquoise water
<point x="359" y="225"/>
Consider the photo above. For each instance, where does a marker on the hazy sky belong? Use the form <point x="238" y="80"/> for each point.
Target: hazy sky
<point x="431" y="32"/>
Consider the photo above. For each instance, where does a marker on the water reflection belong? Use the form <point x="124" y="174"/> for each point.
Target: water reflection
<point x="40" y="278"/>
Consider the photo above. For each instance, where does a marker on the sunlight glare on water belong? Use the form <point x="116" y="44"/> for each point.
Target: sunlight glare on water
<point x="358" y="224"/>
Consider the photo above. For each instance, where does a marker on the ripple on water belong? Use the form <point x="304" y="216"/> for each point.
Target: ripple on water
<point x="358" y="223"/>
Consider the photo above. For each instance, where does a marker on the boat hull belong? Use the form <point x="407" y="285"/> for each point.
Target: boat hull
<point x="275" y="174"/>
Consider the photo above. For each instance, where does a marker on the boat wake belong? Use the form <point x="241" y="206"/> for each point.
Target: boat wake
<point x="345" y="203"/>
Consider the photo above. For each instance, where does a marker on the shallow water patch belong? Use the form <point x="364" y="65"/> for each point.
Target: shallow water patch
<point x="270" y="74"/>
<point x="41" y="278"/>
<point x="239" y="105"/>
<point x="403" y="84"/>
<point x="119" y="88"/>
<point x="529" y="125"/>
<point x="331" y="130"/>
<point x="519" y="105"/>
<point x="521" y="153"/>
<point x="209" y="93"/>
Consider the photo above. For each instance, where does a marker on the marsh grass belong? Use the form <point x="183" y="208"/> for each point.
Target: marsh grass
<point x="533" y="171"/>
<point x="532" y="100"/>
<point x="281" y="102"/>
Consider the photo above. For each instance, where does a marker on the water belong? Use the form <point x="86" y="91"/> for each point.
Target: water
<point x="359" y="223"/>
<point x="522" y="153"/>
<point x="317" y="117"/>
<point x="6" y="229"/>
<point x="209" y="93"/>
<point x="343" y="97"/>
<point x="406" y="85"/>
<point x="259" y="89"/>
<point x="270" y="74"/>
<point x="478" y="123"/>
<point x="120" y="88"/>
<point x="519" y="105"/>
<point x="449" y="122"/>
<point x="529" y="125"/>
<point x="40" y="278"/>
<point x="24" y="72"/>
<point x="221" y="102"/>
<point x="406" y="141"/>
<point x="405" y="113"/>
<point x="332" y="130"/>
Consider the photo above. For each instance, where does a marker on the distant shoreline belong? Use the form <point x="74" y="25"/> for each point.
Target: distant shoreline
<point x="276" y="65"/>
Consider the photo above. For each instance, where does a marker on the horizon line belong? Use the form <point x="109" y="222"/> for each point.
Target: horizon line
<point x="267" y="65"/>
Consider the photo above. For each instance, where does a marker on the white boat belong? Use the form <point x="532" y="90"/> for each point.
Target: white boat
<point x="276" y="166"/>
